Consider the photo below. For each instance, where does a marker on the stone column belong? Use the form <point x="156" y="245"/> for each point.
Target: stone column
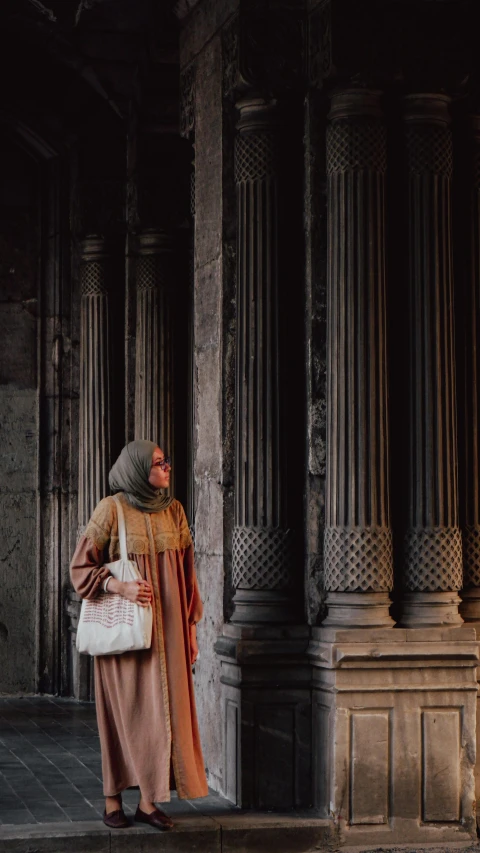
<point x="358" y="540"/>
<point x="470" y="439"/>
<point x="154" y="340"/>
<point x="262" y="547"/>
<point x="94" y="428"/>
<point x="433" y="547"/>
<point x="94" y="451"/>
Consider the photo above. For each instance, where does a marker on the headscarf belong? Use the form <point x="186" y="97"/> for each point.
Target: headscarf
<point x="130" y="475"/>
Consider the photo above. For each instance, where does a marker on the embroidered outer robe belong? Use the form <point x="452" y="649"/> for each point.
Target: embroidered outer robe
<point x="144" y="699"/>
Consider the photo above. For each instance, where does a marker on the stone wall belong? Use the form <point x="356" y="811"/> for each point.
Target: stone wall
<point x="208" y="445"/>
<point x="19" y="422"/>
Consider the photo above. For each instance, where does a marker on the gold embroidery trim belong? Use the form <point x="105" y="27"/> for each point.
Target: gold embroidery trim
<point x="160" y="644"/>
<point x="96" y="535"/>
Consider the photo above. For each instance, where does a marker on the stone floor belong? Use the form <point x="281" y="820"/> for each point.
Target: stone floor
<point x="51" y="799"/>
<point x="50" y="769"/>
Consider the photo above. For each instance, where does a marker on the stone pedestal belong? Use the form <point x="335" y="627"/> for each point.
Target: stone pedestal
<point x="265" y="678"/>
<point x="394" y="733"/>
<point x="358" y="539"/>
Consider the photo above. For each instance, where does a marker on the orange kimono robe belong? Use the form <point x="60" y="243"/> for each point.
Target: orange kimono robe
<point x="145" y="701"/>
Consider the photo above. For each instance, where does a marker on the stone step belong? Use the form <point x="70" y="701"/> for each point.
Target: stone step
<point x="192" y="834"/>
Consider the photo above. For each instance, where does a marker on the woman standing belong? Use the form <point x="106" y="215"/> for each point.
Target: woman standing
<point x="144" y="699"/>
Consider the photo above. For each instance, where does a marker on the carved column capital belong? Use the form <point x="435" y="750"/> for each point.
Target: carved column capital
<point x="156" y="249"/>
<point x="94" y="262"/>
<point x="427" y="134"/>
<point x="356" y="135"/>
<point x="353" y="103"/>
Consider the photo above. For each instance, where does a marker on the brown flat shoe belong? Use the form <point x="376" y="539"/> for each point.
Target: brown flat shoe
<point x="158" y="819"/>
<point x="116" y="820"/>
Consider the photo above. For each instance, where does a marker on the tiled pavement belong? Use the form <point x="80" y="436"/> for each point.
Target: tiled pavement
<point x="50" y="770"/>
<point x="51" y="796"/>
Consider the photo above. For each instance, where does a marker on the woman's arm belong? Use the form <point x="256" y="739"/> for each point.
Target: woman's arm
<point x="87" y="571"/>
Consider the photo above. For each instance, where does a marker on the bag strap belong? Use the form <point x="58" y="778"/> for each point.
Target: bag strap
<point x="122" y="533"/>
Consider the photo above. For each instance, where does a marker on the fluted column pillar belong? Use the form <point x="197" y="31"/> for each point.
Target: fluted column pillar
<point x="358" y="540"/>
<point x="262" y="547"/>
<point x="154" y="340"/>
<point x="94" y="427"/>
<point x="433" y="548"/>
<point x="94" y="450"/>
<point x="470" y="438"/>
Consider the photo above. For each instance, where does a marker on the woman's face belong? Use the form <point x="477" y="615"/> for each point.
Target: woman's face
<point x="159" y="478"/>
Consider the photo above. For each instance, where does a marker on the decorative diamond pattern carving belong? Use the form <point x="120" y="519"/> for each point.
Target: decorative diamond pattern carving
<point x="429" y="149"/>
<point x="150" y="272"/>
<point x="471" y="556"/>
<point x="254" y="156"/>
<point x="92" y="278"/>
<point x="433" y="559"/>
<point x="358" y="145"/>
<point x="262" y="558"/>
<point x="358" y="559"/>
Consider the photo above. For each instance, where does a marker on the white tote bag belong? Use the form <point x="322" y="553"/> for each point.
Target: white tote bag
<point x="110" y="624"/>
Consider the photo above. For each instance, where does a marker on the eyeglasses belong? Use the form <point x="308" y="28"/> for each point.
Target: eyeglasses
<point x="163" y="463"/>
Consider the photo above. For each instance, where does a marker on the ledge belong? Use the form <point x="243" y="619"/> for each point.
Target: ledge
<point x="236" y="833"/>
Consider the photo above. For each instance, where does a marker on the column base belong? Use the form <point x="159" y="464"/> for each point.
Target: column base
<point x="358" y="610"/>
<point x="394" y="717"/>
<point x="258" y="606"/>
<point x="266" y="699"/>
<point x="470" y="606"/>
<point x="427" y="609"/>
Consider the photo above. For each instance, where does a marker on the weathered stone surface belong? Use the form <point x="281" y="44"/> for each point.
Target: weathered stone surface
<point x="401" y="718"/>
<point x="55" y="838"/>
<point x="190" y="835"/>
<point x="276" y="834"/>
<point x="201" y="25"/>
<point x="18" y="538"/>
<point x="208" y="408"/>
<point x="207" y="670"/>
<point x="266" y="708"/>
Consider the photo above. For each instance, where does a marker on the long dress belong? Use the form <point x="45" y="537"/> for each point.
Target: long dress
<point x="145" y="700"/>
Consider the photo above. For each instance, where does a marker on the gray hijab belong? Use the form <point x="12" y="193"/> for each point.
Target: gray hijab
<point x="130" y="475"/>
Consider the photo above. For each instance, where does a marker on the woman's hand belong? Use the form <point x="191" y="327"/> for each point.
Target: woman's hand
<point x="140" y="592"/>
<point x="193" y="644"/>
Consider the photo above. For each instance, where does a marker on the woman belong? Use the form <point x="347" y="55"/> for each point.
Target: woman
<point x="145" y="701"/>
